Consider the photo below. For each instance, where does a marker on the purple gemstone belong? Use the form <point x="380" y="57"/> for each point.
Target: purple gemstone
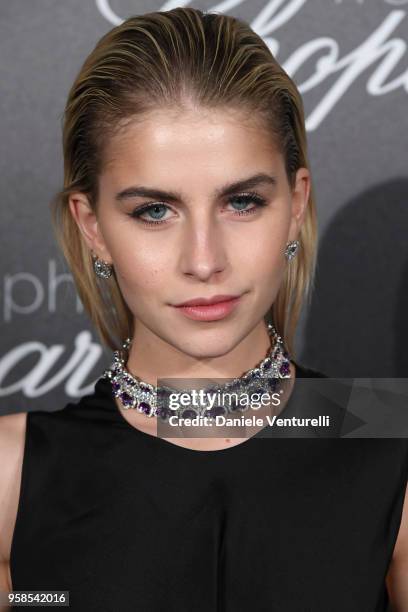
<point x="267" y="365"/>
<point x="216" y="411"/>
<point x="115" y="386"/>
<point x="162" y="412"/>
<point x="144" y="407"/>
<point x="188" y="414"/>
<point x="284" y="369"/>
<point x="125" y="399"/>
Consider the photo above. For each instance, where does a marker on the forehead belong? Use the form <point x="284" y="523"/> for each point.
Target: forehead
<point x="168" y="143"/>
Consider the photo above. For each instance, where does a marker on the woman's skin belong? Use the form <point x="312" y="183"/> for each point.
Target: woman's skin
<point x="204" y="248"/>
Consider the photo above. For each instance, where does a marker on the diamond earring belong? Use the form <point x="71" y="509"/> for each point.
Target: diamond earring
<point x="291" y="249"/>
<point x="103" y="269"/>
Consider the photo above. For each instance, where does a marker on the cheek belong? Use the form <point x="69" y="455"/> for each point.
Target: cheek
<point x="141" y="274"/>
<point x="264" y="250"/>
<point x="138" y="264"/>
<point x="139" y="284"/>
<point x="263" y="257"/>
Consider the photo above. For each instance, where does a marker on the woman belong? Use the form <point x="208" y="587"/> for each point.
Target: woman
<point x="187" y="180"/>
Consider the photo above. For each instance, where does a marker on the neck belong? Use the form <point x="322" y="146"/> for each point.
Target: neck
<point x="152" y="358"/>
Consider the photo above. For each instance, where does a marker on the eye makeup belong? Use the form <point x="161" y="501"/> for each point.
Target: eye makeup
<point x="244" y="198"/>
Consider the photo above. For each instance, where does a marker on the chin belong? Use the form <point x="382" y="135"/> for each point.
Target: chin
<point x="207" y="347"/>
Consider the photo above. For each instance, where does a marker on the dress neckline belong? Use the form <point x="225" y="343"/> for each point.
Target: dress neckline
<point x="104" y="386"/>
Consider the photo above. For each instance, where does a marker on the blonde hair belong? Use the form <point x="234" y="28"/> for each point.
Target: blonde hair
<point x="160" y="59"/>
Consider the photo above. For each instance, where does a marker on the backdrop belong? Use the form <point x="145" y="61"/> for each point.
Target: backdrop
<point x="349" y="60"/>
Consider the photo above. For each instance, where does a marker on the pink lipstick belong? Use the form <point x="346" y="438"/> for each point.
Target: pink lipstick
<point x="209" y="309"/>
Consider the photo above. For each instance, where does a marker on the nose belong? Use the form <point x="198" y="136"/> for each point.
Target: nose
<point x="203" y="248"/>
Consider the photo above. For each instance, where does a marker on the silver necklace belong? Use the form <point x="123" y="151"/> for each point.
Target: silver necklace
<point x="154" y="401"/>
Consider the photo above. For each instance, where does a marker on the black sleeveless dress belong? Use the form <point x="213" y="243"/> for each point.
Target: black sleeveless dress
<point x="127" y="521"/>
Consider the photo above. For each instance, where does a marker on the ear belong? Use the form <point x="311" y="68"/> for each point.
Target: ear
<point x="88" y="225"/>
<point x="300" y="199"/>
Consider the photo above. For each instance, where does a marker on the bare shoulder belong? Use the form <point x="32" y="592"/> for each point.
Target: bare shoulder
<point x="397" y="577"/>
<point x="12" y="440"/>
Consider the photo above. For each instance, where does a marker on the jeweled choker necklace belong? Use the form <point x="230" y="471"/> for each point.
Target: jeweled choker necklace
<point x="154" y="401"/>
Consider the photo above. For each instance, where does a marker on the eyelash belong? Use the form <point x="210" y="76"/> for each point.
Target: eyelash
<point x="248" y="197"/>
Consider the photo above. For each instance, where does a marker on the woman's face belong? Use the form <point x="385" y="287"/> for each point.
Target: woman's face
<point x="219" y="226"/>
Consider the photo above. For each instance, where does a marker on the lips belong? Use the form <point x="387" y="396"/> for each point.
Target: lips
<point x="201" y="301"/>
<point x="213" y="309"/>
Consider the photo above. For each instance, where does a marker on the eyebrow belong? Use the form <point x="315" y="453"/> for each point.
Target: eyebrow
<point x="241" y="185"/>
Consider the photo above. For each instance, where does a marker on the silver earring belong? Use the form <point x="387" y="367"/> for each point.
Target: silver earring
<point x="102" y="268"/>
<point x="291" y="249"/>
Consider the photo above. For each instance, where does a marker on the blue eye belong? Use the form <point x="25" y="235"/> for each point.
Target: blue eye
<point x="247" y="198"/>
<point x="158" y="210"/>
